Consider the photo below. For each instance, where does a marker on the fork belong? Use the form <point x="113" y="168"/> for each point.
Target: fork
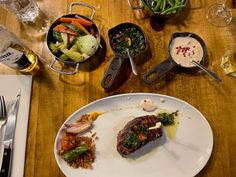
<point x="3" y="112"/>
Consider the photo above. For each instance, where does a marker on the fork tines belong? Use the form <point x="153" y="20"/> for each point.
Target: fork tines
<point x="3" y="107"/>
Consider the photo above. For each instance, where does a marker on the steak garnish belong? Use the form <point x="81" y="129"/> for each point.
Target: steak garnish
<point x="137" y="133"/>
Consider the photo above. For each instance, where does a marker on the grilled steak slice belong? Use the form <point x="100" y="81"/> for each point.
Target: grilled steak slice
<point x="136" y="134"/>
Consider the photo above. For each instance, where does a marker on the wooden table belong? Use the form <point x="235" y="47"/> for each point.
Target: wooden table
<point x="55" y="97"/>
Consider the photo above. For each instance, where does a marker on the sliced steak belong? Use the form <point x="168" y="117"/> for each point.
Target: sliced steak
<point x="136" y="134"/>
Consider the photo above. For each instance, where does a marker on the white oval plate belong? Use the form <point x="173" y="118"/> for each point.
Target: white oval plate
<point x="183" y="156"/>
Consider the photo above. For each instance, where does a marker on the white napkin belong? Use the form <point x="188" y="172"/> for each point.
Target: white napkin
<point x="9" y="87"/>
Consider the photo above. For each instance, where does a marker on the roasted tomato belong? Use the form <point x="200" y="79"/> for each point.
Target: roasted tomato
<point x="68" y="142"/>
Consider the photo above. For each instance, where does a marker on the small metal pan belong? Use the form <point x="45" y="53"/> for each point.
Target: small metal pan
<point x="50" y="38"/>
<point x="119" y="62"/>
<point x="168" y="64"/>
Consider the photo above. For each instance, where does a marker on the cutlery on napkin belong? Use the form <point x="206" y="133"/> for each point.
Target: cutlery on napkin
<point x="9" y="139"/>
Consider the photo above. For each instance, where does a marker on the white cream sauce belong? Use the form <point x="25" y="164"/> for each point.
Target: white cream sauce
<point x="147" y="105"/>
<point x="185" y="49"/>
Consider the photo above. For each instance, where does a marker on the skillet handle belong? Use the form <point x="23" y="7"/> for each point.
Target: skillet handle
<point x="158" y="71"/>
<point x="135" y="7"/>
<point x="112" y="73"/>
<point x="85" y="5"/>
<point x="51" y="66"/>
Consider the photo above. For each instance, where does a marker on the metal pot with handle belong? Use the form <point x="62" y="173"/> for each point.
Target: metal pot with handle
<point x="184" y="48"/>
<point x="93" y="28"/>
<point x="122" y="42"/>
<point x="152" y="6"/>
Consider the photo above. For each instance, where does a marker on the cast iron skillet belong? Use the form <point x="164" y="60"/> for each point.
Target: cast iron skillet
<point x="115" y="68"/>
<point x="50" y="38"/>
<point x="168" y="64"/>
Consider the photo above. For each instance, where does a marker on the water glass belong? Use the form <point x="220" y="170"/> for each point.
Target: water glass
<point x="26" y="10"/>
<point x="34" y="21"/>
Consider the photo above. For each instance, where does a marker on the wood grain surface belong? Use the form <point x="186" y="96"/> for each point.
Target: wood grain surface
<point x="55" y="97"/>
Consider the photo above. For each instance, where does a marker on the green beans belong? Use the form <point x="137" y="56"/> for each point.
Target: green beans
<point x="172" y="9"/>
<point x="164" y="7"/>
<point x="171" y="2"/>
<point x="157" y="6"/>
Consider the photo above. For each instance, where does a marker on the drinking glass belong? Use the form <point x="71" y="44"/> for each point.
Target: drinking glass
<point x="28" y="12"/>
<point x="219" y="15"/>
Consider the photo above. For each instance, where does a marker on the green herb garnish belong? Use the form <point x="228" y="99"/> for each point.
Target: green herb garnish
<point x="127" y="38"/>
<point x="167" y="118"/>
<point x="133" y="139"/>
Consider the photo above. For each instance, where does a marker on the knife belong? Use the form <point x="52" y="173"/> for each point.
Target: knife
<point x="9" y="140"/>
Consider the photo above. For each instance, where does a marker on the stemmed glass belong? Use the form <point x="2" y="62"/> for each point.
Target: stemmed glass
<point x="219" y="15"/>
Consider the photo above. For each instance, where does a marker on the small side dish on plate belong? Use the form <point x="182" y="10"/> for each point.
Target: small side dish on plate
<point x="75" y="148"/>
<point x="77" y="151"/>
<point x="147" y="105"/>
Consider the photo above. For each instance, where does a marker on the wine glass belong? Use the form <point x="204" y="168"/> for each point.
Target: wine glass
<point x="219" y="15"/>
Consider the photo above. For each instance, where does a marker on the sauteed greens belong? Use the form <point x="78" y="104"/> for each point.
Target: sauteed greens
<point x="75" y="39"/>
<point x="167" y="118"/>
<point x="165" y="6"/>
<point x="127" y="38"/>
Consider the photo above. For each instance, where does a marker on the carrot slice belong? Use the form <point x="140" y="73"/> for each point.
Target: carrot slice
<point x="66" y="19"/>
<point x="77" y="24"/>
<point x="63" y="29"/>
<point x="83" y="21"/>
<point x="142" y="137"/>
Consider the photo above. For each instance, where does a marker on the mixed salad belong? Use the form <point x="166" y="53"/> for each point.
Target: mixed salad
<point x="75" y="39"/>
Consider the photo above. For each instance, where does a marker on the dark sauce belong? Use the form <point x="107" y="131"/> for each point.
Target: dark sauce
<point x="127" y="38"/>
